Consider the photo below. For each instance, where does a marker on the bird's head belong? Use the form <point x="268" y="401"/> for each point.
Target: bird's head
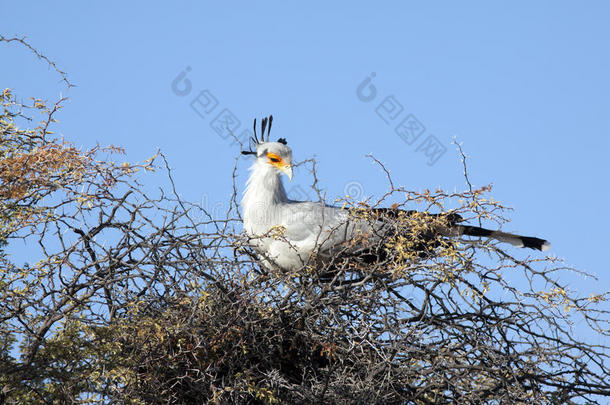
<point x="275" y="154"/>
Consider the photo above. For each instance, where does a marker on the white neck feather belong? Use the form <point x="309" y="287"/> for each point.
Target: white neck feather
<point x="264" y="191"/>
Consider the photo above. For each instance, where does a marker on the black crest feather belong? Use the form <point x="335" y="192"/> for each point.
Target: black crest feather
<point x="263" y="126"/>
<point x="256" y="141"/>
<point x="269" y="131"/>
<point x="255" y="138"/>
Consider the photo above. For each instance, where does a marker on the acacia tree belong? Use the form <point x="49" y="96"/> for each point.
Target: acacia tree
<point x="138" y="297"/>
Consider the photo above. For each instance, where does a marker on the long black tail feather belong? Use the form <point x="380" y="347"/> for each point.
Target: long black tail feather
<point x="515" y="240"/>
<point x="455" y="229"/>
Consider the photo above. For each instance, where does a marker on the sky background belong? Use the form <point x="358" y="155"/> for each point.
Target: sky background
<point x="525" y="87"/>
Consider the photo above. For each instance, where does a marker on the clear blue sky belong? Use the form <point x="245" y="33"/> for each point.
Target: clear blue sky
<point x="524" y="86"/>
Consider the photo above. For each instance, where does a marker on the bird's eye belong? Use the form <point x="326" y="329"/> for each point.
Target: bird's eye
<point x="274" y="159"/>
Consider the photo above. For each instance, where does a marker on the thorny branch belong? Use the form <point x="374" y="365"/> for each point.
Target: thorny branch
<point x="53" y="65"/>
<point x="152" y="299"/>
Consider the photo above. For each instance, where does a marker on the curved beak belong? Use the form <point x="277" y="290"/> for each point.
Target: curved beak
<point x="287" y="170"/>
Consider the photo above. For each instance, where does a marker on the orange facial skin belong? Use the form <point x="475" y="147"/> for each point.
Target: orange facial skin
<point x="275" y="160"/>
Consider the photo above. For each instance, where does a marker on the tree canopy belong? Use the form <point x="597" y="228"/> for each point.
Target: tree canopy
<point x="136" y="296"/>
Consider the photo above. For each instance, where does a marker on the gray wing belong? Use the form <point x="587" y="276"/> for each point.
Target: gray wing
<point x="326" y="229"/>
